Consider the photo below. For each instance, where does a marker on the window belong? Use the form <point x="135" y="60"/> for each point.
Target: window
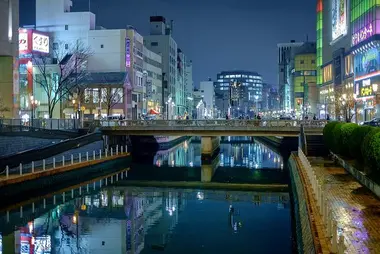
<point x="154" y="43"/>
<point x="66" y="46"/>
<point x="66" y="27"/>
<point x="302" y="62"/>
<point x="55" y="46"/>
<point x="95" y="95"/>
<point x="313" y="61"/>
<point x="282" y="69"/>
<point x="101" y="46"/>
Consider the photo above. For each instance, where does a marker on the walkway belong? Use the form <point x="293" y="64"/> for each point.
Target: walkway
<point x="355" y="208"/>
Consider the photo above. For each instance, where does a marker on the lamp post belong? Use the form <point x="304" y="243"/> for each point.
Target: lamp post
<point x="34" y="104"/>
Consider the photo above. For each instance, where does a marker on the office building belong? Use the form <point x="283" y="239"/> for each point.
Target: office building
<point x="208" y="95"/>
<point x="180" y="99"/>
<point x="161" y="42"/>
<point x="9" y="23"/>
<point x="238" y="93"/>
<point x="189" y="87"/>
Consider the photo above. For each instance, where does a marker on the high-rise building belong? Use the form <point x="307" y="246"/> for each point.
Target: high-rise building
<point x="208" y="92"/>
<point x="9" y="23"/>
<point x="346" y="31"/>
<point x="161" y="42"/>
<point x="180" y="99"/>
<point x="238" y="93"/>
<point x="189" y="87"/>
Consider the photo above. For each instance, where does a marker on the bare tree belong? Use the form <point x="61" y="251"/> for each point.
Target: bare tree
<point x="60" y="72"/>
<point x="110" y="95"/>
<point x="3" y="107"/>
<point x="344" y="105"/>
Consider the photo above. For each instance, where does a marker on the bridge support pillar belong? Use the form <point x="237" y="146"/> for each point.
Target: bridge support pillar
<point x="209" y="148"/>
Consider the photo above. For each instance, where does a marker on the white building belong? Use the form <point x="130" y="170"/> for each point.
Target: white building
<point x="161" y="42"/>
<point x="9" y="23"/>
<point x="189" y="87"/>
<point x="180" y="84"/>
<point x="207" y="90"/>
<point x="113" y="51"/>
<point x="154" y="93"/>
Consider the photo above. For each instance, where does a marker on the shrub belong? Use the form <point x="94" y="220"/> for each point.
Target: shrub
<point x="328" y="134"/>
<point x="356" y="140"/>
<point x="343" y="142"/>
<point x="336" y="138"/>
<point x="366" y="148"/>
<point x="373" y="152"/>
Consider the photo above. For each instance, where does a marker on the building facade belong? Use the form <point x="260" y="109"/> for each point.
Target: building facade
<point x="161" y="42"/>
<point x="9" y="23"/>
<point x="238" y="93"/>
<point x="189" y="87"/>
<point x="208" y="95"/>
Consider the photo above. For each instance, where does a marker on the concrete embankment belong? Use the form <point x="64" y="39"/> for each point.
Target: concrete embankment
<point x="33" y="182"/>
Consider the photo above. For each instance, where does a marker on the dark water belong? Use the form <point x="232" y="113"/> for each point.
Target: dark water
<point x="100" y="217"/>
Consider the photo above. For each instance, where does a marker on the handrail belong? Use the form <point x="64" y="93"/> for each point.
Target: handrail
<point x="33" y="154"/>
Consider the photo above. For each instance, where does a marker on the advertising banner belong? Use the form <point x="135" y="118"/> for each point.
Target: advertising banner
<point x="367" y="62"/>
<point x="338" y="18"/>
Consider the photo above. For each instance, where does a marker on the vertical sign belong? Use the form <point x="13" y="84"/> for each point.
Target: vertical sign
<point x="149" y="89"/>
<point x="128" y="53"/>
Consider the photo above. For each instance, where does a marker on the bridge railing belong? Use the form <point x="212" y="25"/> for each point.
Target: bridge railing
<point x="49" y="124"/>
<point x="214" y="123"/>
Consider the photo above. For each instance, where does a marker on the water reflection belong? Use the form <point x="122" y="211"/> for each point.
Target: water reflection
<point x="144" y="220"/>
<point x="234" y="152"/>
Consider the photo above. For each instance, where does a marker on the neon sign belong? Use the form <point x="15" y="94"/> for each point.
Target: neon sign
<point x="127" y="53"/>
<point x="362" y="34"/>
<point x="40" y="43"/>
<point x="23" y="41"/>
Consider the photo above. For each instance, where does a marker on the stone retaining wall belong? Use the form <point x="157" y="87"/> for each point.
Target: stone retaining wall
<point x="305" y="243"/>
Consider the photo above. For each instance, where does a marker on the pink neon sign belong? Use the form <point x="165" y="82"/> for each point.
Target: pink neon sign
<point x="362" y="34"/>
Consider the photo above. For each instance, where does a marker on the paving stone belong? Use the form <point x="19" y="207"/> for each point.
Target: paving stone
<point x="356" y="209"/>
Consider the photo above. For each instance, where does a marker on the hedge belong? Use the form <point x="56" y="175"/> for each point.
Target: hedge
<point x="356" y="140"/>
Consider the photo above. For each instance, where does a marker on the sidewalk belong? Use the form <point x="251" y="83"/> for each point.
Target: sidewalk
<point x="355" y="208"/>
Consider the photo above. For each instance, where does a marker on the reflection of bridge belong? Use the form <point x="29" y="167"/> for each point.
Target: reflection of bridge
<point x="211" y="128"/>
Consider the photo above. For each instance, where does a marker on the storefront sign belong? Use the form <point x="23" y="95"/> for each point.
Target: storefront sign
<point x="23" y="41"/>
<point x="40" y="43"/>
<point x="367" y="62"/>
<point x="128" y="53"/>
<point x="364" y="88"/>
<point x="362" y="34"/>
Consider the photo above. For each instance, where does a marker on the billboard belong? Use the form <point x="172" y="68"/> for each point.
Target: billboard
<point x="128" y="53"/>
<point x="338" y="18"/>
<point x="40" y="43"/>
<point x="367" y="62"/>
<point x="23" y="41"/>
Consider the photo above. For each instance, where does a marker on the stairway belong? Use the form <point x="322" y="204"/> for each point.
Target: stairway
<point x="316" y="146"/>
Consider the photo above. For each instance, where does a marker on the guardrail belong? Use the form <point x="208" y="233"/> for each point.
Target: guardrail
<point x="213" y="123"/>
<point x="325" y="209"/>
<point x="38" y="166"/>
<point x="49" y="124"/>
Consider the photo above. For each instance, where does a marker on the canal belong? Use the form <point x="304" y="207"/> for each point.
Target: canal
<point x="108" y="215"/>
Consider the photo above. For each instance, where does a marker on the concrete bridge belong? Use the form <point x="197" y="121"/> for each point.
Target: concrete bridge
<point x="211" y="128"/>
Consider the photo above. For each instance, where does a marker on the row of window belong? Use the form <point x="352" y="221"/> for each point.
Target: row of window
<point x="258" y="81"/>
<point x="104" y="95"/>
<point x="240" y="76"/>
<point x="303" y="61"/>
<point x="244" y="84"/>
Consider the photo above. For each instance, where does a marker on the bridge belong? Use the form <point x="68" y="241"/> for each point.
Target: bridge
<point x="211" y="128"/>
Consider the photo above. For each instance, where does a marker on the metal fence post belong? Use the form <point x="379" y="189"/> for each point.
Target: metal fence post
<point x="100" y="154"/>
<point x="80" y="157"/>
<point x="43" y="165"/>
<point x="121" y="148"/>
<point x="72" y="159"/>
<point x="106" y="153"/>
<point x="32" y="166"/>
<point x="86" y="156"/>
<point x="126" y="148"/>
<point x="117" y="149"/>
<point x="93" y="155"/>
<point x="54" y="162"/>
<point x="111" y="151"/>
<point x="20" y="169"/>
<point x="7" y="172"/>
<point x="63" y="160"/>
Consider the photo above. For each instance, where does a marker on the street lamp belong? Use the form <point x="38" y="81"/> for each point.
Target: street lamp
<point x="33" y="104"/>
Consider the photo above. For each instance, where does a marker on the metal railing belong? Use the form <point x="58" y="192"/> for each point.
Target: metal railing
<point x="213" y="123"/>
<point x="49" y="124"/>
<point x="324" y="206"/>
<point x="61" y="161"/>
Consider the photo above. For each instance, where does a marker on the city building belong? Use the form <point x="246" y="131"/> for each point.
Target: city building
<point x="238" y="93"/>
<point x="180" y="98"/>
<point x="153" y="83"/>
<point x="297" y="73"/>
<point x="189" y="87"/>
<point x="344" y="27"/>
<point x="207" y="90"/>
<point x="161" y="42"/>
<point x="199" y="111"/>
<point x="9" y="23"/>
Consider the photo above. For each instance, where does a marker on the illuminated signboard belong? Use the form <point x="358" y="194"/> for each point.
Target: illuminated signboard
<point x="42" y="245"/>
<point x="365" y="88"/>
<point x="362" y="34"/>
<point x="40" y="43"/>
<point x="367" y="62"/>
<point x="23" y="41"/>
<point x="339" y="18"/>
<point x="127" y="53"/>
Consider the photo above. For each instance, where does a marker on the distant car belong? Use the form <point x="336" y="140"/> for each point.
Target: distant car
<point x="373" y="122"/>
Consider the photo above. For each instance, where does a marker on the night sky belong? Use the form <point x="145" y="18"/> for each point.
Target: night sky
<point x="216" y="34"/>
